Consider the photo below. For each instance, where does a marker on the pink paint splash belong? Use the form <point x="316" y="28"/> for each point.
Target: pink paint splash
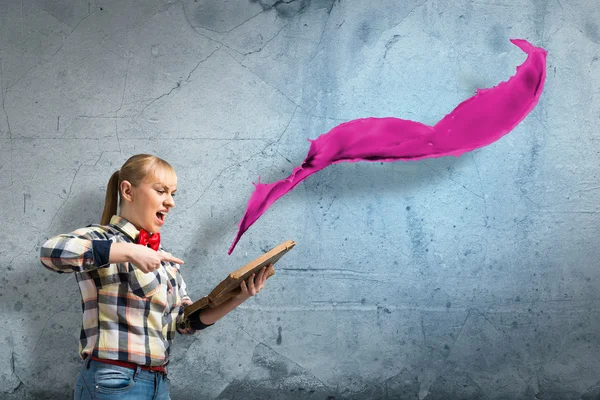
<point x="476" y="122"/>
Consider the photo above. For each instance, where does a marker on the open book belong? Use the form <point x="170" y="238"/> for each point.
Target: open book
<point x="230" y="286"/>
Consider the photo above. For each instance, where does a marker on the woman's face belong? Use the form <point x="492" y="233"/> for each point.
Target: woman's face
<point x="147" y="204"/>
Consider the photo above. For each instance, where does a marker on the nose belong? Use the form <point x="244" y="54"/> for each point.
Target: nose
<point x="170" y="202"/>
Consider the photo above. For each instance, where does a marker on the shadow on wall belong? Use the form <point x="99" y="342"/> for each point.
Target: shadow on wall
<point x="48" y="305"/>
<point x="84" y="209"/>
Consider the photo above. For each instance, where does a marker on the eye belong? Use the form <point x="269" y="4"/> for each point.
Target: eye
<point x="161" y="191"/>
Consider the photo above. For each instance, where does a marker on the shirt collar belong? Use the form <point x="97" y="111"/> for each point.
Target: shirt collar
<point x="125" y="226"/>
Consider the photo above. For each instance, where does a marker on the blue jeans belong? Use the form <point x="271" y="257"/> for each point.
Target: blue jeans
<point x="99" y="381"/>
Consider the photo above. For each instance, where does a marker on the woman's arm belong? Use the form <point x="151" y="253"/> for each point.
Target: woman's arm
<point x="209" y="316"/>
<point x="82" y="250"/>
<point x="255" y="284"/>
<point x="88" y="249"/>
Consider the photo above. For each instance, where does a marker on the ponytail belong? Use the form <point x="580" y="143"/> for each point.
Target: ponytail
<point x="112" y="199"/>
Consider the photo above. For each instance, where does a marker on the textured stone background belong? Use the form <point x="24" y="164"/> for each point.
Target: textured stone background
<point x="474" y="277"/>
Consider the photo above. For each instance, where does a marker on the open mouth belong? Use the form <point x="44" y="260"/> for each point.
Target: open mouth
<point x="161" y="216"/>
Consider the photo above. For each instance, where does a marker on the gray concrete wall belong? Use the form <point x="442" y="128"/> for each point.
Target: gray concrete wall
<point x="474" y="277"/>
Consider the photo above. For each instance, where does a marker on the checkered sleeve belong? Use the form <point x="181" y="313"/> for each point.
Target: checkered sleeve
<point x="82" y="250"/>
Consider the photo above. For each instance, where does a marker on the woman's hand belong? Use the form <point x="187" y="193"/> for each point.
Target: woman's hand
<point x="255" y="284"/>
<point x="147" y="260"/>
<point x="248" y="288"/>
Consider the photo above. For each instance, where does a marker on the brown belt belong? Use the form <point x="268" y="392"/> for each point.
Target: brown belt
<point x="157" y="368"/>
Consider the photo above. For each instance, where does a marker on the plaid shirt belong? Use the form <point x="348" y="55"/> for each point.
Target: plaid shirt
<point x="127" y="315"/>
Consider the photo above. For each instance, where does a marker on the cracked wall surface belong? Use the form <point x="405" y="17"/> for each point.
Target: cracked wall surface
<point x="474" y="277"/>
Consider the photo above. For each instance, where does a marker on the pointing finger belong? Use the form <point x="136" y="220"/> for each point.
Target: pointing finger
<point x="171" y="258"/>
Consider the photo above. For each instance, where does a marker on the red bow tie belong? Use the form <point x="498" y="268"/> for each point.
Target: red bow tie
<point x="146" y="239"/>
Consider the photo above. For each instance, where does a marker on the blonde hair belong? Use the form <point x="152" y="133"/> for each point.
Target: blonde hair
<point x="136" y="170"/>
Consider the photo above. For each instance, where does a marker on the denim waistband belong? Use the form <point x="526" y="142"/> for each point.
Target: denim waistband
<point x="137" y="373"/>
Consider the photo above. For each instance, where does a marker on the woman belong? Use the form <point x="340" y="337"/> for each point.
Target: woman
<point x="132" y="291"/>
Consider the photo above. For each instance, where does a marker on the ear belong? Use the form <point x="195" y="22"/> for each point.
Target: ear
<point x="126" y="191"/>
